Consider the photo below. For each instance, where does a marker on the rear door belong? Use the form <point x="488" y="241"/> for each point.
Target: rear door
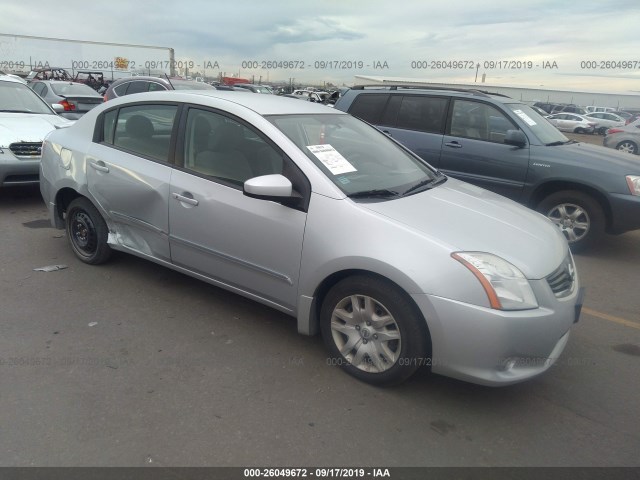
<point x="474" y="151"/>
<point x="129" y="171"/>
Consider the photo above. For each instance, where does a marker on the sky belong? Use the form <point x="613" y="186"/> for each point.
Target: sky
<point x="590" y="45"/>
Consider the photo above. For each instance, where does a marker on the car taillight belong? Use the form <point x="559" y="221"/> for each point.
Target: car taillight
<point x="68" y="107"/>
<point x="104" y="98"/>
<point x="611" y="131"/>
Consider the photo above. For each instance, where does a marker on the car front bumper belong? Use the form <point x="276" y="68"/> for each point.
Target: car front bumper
<point x="626" y="212"/>
<point x="16" y="171"/>
<point x="494" y="347"/>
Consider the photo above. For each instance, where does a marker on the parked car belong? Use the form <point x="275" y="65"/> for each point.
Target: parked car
<point x="76" y="98"/>
<point x="20" y="79"/>
<point x="277" y="200"/>
<point x="93" y="79"/>
<point x="52" y="73"/>
<point x="571" y="122"/>
<point x="625" y="138"/>
<point x="312" y="96"/>
<point x="593" y="108"/>
<point x="139" y="84"/>
<point x="25" y="119"/>
<point x="621" y="113"/>
<point x="605" y="121"/>
<point x="254" y="88"/>
<point x="552" y="108"/>
<point x="501" y="144"/>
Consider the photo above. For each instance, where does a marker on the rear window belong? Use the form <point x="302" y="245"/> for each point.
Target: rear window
<point x="66" y="89"/>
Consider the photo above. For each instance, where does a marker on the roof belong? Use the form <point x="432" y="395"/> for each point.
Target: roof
<point x="261" y="104"/>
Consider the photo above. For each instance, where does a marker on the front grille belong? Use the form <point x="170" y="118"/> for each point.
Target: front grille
<point x="26" y="149"/>
<point x="562" y="279"/>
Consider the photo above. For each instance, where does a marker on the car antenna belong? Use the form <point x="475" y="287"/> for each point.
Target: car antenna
<point x="169" y="80"/>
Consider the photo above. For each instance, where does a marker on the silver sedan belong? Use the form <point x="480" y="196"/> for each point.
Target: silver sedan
<point x="321" y="216"/>
<point x="572" y="122"/>
<point x="626" y="138"/>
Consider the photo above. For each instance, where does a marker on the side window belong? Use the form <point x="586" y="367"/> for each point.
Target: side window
<point x="121" y="89"/>
<point x="423" y="113"/>
<point x="369" y="107"/>
<point x="38" y="88"/>
<point x="145" y="130"/>
<point x="137" y="87"/>
<point x="480" y="121"/>
<point x="44" y="90"/>
<point x="220" y="147"/>
<point x="109" y="125"/>
<point x="155" y="87"/>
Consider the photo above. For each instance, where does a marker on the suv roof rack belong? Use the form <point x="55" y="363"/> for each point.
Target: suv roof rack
<point x="396" y="86"/>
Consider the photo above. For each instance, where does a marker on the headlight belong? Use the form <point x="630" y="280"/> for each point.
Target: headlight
<point x="634" y="184"/>
<point x="505" y="285"/>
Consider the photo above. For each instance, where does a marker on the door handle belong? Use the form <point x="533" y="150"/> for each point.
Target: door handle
<point x="185" y="199"/>
<point x="100" y="166"/>
<point x="453" y="145"/>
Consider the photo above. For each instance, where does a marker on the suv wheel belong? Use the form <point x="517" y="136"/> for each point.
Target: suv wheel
<point x="373" y="331"/>
<point x="627" y="146"/>
<point x="578" y="216"/>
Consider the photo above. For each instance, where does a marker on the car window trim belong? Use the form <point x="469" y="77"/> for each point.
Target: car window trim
<point x="98" y="131"/>
<point x="289" y="167"/>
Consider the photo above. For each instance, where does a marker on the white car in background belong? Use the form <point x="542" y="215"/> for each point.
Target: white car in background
<point x="605" y="121"/>
<point x="572" y="122"/>
<point x="25" y="120"/>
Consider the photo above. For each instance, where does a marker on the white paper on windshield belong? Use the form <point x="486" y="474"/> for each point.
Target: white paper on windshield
<point x="331" y="159"/>
<point x="525" y="117"/>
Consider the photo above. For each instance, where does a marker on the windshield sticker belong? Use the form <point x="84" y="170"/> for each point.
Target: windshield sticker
<point x="344" y="180"/>
<point x="331" y="159"/>
<point x="525" y="117"/>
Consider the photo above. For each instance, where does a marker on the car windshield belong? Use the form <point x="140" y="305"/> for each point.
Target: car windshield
<point x="543" y="130"/>
<point x="69" y="89"/>
<point x="17" y="97"/>
<point x="358" y="158"/>
<point x="190" y="85"/>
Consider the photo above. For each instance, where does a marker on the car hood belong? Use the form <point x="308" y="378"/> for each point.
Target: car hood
<point x="27" y="127"/>
<point x="469" y="218"/>
<point x="585" y="154"/>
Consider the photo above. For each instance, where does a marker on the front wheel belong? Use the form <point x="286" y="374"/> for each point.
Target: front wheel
<point x="87" y="232"/>
<point x="373" y="330"/>
<point x="627" y="147"/>
<point x="578" y="216"/>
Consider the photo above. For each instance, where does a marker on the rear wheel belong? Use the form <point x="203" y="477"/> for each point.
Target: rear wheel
<point x="578" y="216"/>
<point x="627" y="146"/>
<point x="603" y="130"/>
<point x="87" y="232"/>
<point x="579" y="130"/>
<point x="373" y="330"/>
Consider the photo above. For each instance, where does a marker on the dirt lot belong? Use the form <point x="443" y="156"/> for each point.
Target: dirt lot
<point x="594" y="139"/>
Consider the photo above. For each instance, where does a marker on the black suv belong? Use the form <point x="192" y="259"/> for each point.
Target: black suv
<point x="503" y="145"/>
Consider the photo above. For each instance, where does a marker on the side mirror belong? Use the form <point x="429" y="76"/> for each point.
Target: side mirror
<point x="269" y="187"/>
<point x="515" y="138"/>
<point x="57" y="107"/>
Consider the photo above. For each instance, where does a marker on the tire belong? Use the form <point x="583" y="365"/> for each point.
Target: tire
<point x="87" y="232"/>
<point x="401" y="343"/>
<point x="627" y="146"/>
<point x="578" y="130"/>
<point x="603" y="130"/>
<point x="579" y="216"/>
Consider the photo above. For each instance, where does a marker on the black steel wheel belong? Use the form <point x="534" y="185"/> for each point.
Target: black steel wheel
<point x="87" y="232"/>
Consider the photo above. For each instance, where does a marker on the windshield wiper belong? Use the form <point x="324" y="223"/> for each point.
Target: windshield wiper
<point x="426" y="183"/>
<point x="374" y="193"/>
